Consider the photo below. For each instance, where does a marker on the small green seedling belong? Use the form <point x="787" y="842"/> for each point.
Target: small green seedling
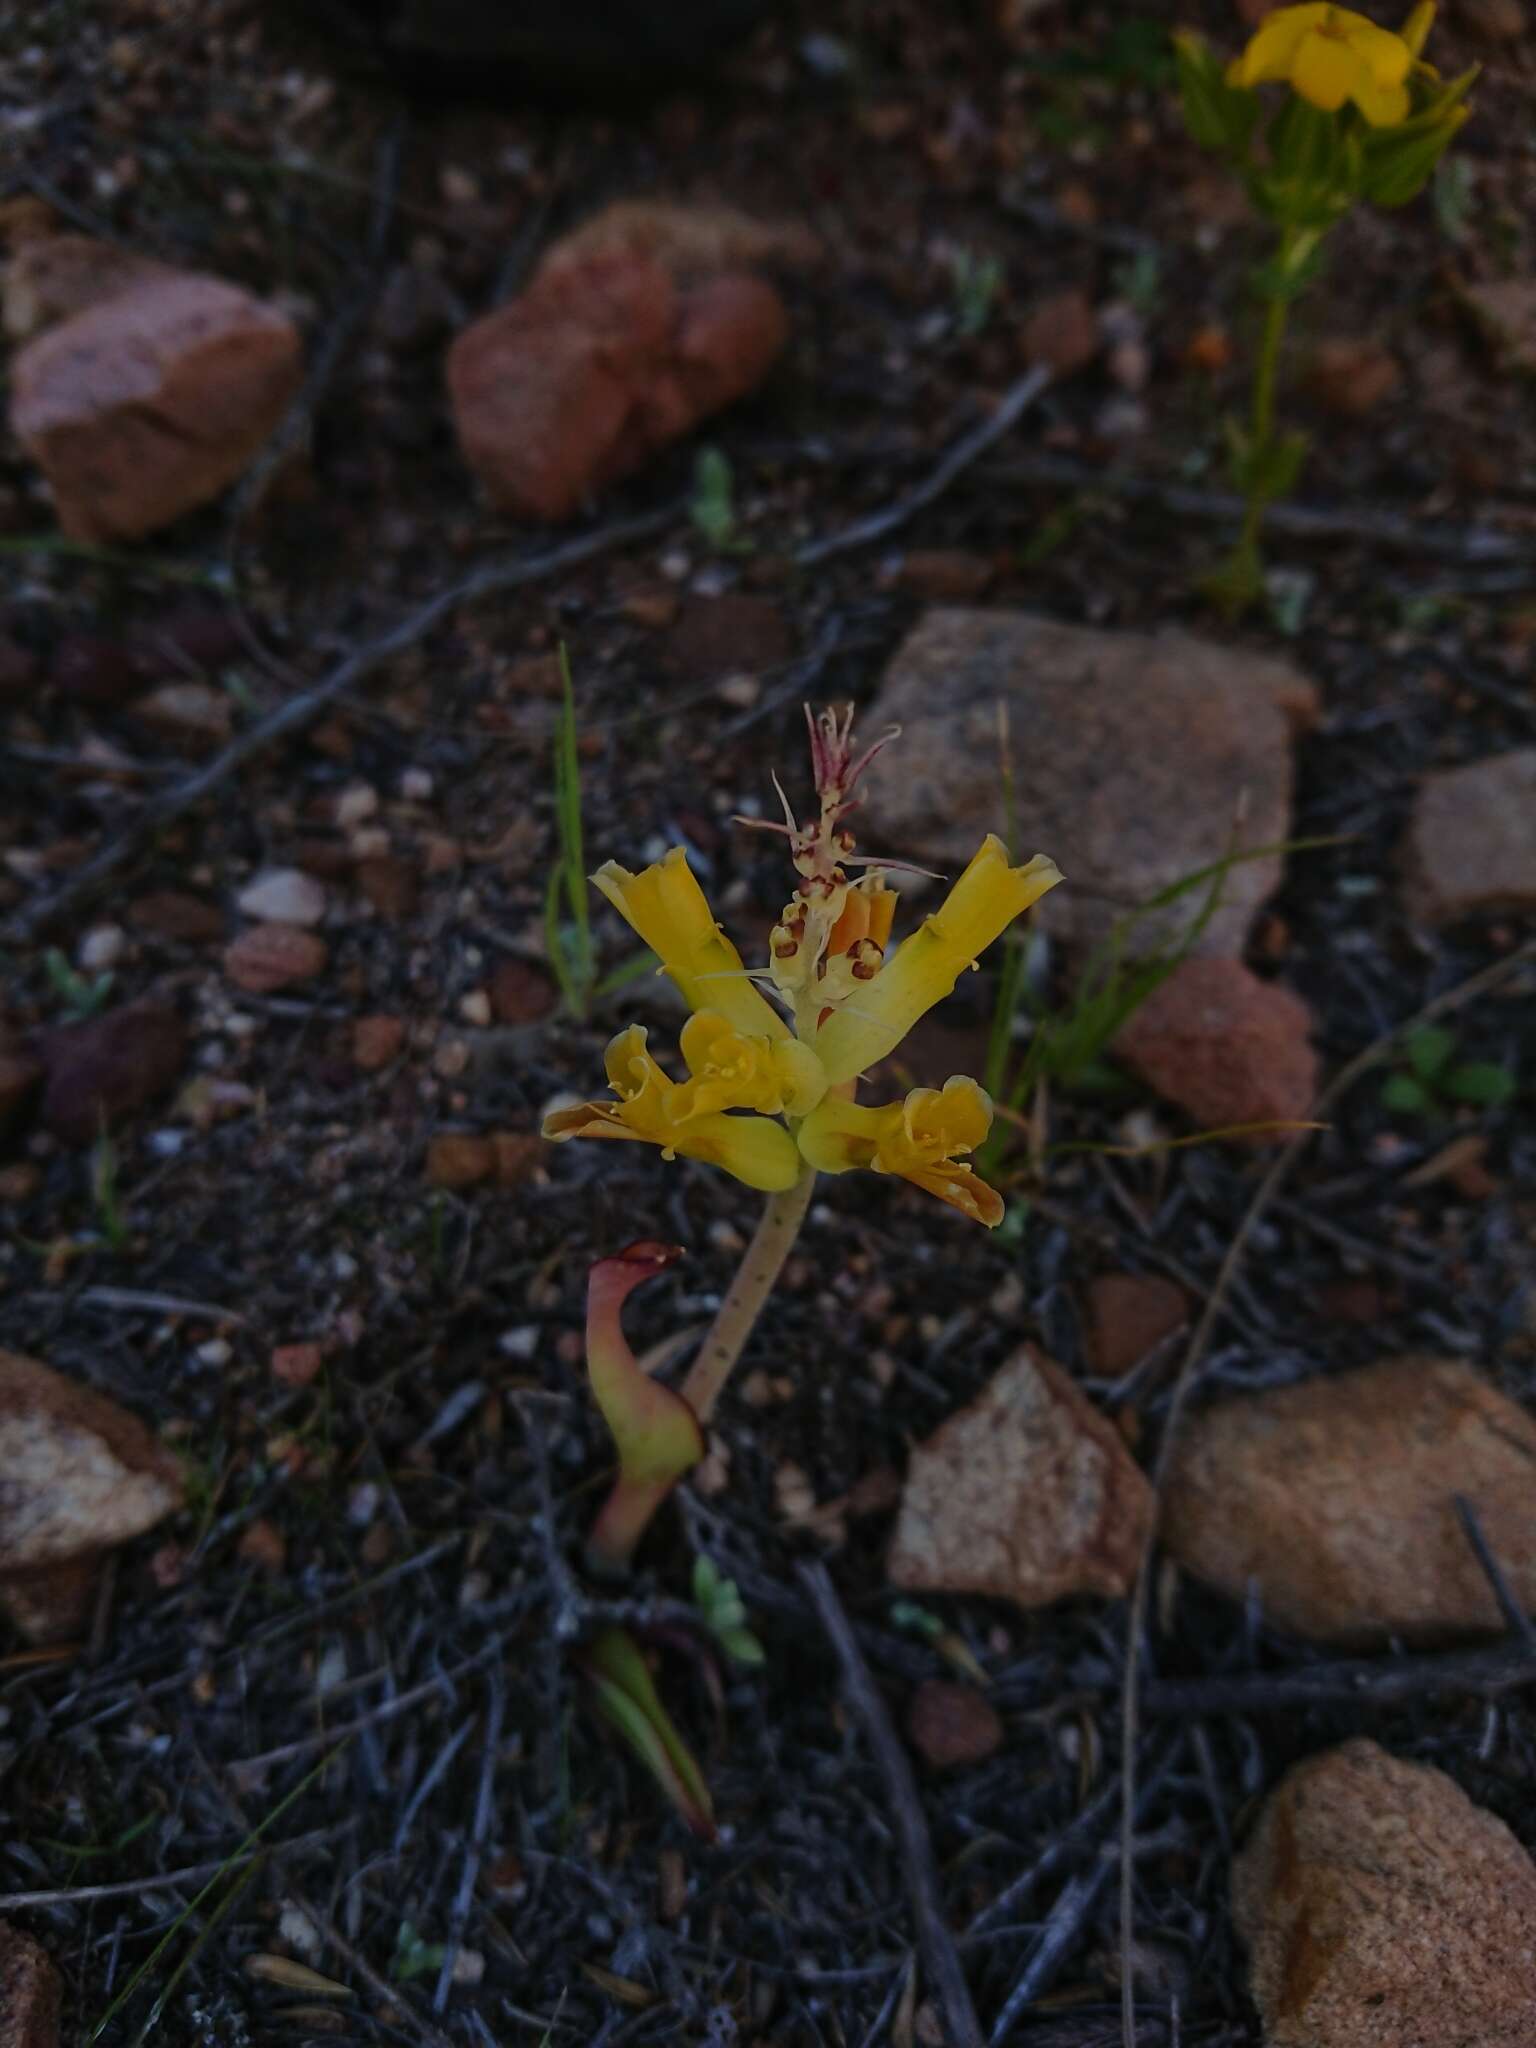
<point x="977" y="283"/>
<point x="106" y="1196"/>
<point x="1433" y="1083"/>
<point x="724" y="1616"/>
<point x="414" y="1957"/>
<point x="82" y="995"/>
<point x="712" y="508"/>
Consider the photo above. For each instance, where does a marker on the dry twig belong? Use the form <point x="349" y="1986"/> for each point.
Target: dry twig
<point x="941" y="1958"/>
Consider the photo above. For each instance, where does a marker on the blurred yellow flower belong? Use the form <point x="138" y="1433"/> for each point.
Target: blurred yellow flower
<point x="1330" y="55"/>
<point x="851" y="1005"/>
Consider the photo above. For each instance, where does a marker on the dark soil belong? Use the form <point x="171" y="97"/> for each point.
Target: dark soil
<point x="379" y="1569"/>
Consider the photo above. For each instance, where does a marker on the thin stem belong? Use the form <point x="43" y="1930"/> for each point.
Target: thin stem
<point x="760" y="1267"/>
<point x="1264" y="380"/>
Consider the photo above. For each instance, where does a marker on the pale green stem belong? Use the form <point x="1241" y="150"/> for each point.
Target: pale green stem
<point x="1264" y="380"/>
<point x="760" y="1267"/>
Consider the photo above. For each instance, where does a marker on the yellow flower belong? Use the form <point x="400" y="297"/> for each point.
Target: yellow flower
<point x="852" y="1000"/>
<point x="666" y="906"/>
<point x="920" y="1138"/>
<point x="1331" y="54"/>
<point x="925" y="967"/>
<point x="752" y="1148"/>
<point x="732" y="1070"/>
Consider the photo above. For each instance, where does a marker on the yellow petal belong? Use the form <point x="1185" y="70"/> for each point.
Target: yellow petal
<point x="1386" y="54"/>
<point x="921" y="1139"/>
<point x="732" y="1070"/>
<point x="1384" y="106"/>
<point x="666" y="906"/>
<point x="926" y="966"/>
<point x="753" y="1149"/>
<point x="1325" y="71"/>
<point x="1272" y="50"/>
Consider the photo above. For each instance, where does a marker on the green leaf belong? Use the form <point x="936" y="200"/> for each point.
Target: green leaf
<point x="625" y="1696"/>
<point x="1481" y="1082"/>
<point x="1217" y="115"/>
<point x="1428" y="1049"/>
<point x="1403" y="1095"/>
<point x="706" y="1582"/>
<point x="742" y="1647"/>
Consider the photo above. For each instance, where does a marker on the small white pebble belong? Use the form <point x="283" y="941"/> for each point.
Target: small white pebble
<point x="475" y="1008"/>
<point x="368" y="842"/>
<point x="416" y="785"/>
<point x="102" y="947"/>
<point x="358" y="801"/>
<point x="283" y="896"/>
<point x="521" y="1343"/>
<point x="675" y="565"/>
<point x="215" y="1352"/>
<point x="300" y="1932"/>
<point x="344" y="1266"/>
<point x="363" y="1504"/>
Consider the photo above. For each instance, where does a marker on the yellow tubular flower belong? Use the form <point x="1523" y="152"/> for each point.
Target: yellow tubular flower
<point x="733" y="1071"/>
<point x="919" y="1139"/>
<point x="925" y="967"/>
<point x="752" y="1148"/>
<point x="1332" y="54"/>
<point x="666" y="906"/>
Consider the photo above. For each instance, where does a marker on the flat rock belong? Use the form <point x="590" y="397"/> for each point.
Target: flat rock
<point x="101" y="1070"/>
<point x="1226" y="1047"/>
<point x="601" y="362"/>
<point x="53" y="277"/>
<point x="688" y="240"/>
<point x="81" y="1475"/>
<point x="1028" y="1495"/>
<point x="1335" y="1499"/>
<point x="1382" y="1909"/>
<point x="152" y="402"/>
<point x="1471" y="845"/>
<point x="1130" y="754"/>
<point x="29" y="1992"/>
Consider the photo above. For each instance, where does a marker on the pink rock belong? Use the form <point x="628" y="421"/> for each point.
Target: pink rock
<point x="599" y="364"/>
<point x="1225" y="1046"/>
<point x="1471" y="845"/>
<point x="29" y="1992"/>
<point x="153" y="401"/>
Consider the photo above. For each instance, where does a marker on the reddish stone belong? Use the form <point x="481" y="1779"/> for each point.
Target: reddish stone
<point x="273" y="956"/>
<point x="521" y="994"/>
<point x="459" y="1159"/>
<point x="173" y="915"/>
<point x="376" y="1042"/>
<point x="390" y="885"/>
<point x="1351" y="378"/>
<point x="1333" y="1501"/>
<point x="1062" y="333"/>
<point x="295" y="1365"/>
<point x="947" y="575"/>
<point x="1383" y="1909"/>
<point x="1225" y="1047"/>
<point x="101" y="1070"/>
<point x="29" y="1993"/>
<point x="152" y="403"/>
<point x="1129" y="1314"/>
<point x="598" y="364"/>
<point x="953" y="1724"/>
